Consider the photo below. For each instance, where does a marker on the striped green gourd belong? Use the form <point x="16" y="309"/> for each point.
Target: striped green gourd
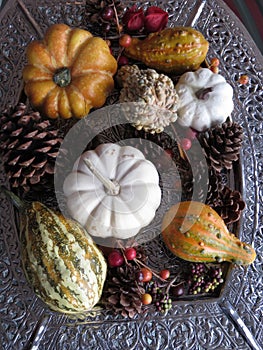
<point x="60" y="260"/>
<point x="195" y="232"/>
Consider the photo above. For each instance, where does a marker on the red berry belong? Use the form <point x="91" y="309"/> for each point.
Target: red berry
<point x="146" y="274"/>
<point x="243" y="79"/>
<point x="130" y="253"/>
<point x="215" y="62"/>
<point x="123" y="61"/>
<point x="125" y="40"/>
<point x="146" y="299"/>
<point x="165" y="274"/>
<point x="115" y="259"/>
<point x="107" y="14"/>
<point x="186" y="144"/>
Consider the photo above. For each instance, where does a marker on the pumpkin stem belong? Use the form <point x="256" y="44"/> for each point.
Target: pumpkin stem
<point x="62" y="77"/>
<point x="203" y="94"/>
<point x="18" y="203"/>
<point x="113" y="188"/>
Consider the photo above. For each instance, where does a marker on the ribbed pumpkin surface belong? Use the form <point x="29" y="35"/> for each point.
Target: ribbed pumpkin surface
<point x="61" y="261"/>
<point x="194" y="232"/>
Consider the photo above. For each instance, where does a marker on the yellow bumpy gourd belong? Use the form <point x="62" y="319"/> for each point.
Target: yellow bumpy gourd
<point x="172" y="50"/>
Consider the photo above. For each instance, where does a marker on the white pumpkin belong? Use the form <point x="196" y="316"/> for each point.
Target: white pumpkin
<point x="205" y="99"/>
<point x="113" y="191"/>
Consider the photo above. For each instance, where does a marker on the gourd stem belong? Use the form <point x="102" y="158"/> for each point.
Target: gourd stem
<point x="112" y="186"/>
<point x="18" y="203"/>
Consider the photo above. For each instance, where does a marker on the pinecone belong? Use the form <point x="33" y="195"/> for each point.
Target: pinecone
<point x="229" y="205"/>
<point x="94" y="15"/>
<point x="215" y="187"/>
<point x="222" y="144"/>
<point x="122" y="292"/>
<point x="29" y="146"/>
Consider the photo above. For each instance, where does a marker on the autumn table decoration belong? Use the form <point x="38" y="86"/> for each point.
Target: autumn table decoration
<point x="143" y="213"/>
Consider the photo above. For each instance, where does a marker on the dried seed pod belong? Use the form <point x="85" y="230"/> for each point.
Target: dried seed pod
<point x="154" y="96"/>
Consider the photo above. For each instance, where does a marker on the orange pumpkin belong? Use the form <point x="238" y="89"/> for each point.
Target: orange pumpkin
<point x="68" y="72"/>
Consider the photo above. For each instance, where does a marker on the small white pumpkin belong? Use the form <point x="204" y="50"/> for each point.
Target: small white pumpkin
<point x="205" y="99"/>
<point x="113" y="191"/>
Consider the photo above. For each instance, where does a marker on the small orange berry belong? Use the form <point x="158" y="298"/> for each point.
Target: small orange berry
<point x="146" y="299"/>
<point x="125" y="40"/>
<point x="214" y="69"/>
<point x="165" y="274"/>
<point x="214" y="62"/>
<point x="244" y="79"/>
<point x="147" y="274"/>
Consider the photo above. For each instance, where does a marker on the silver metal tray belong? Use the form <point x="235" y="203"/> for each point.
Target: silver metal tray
<point x="231" y="321"/>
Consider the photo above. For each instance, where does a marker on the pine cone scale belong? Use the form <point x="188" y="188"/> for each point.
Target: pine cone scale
<point x="24" y="146"/>
<point x="27" y="162"/>
<point x="31" y="134"/>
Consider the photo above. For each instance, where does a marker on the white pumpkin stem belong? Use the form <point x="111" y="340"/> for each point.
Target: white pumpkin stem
<point x="203" y="94"/>
<point x="113" y="188"/>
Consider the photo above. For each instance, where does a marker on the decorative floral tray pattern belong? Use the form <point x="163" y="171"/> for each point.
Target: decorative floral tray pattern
<point x="213" y="324"/>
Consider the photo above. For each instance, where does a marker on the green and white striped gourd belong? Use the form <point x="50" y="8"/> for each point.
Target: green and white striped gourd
<point x="60" y="260"/>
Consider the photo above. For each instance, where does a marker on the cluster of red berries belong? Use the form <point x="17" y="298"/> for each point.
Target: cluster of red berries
<point x="154" y="20"/>
<point x="116" y="258"/>
<point x="144" y="274"/>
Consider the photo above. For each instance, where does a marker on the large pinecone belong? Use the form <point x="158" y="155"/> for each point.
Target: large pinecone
<point x="222" y="144"/>
<point x="229" y="205"/>
<point x="122" y="292"/>
<point x="93" y="15"/>
<point x="29" y="146"/>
